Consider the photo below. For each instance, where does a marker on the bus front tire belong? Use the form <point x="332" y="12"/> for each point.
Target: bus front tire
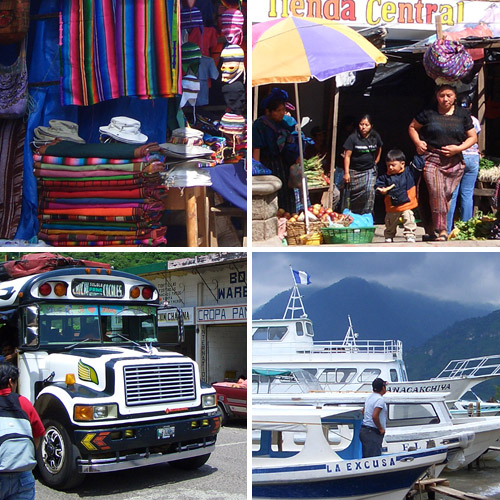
<point x="56" y="458"/>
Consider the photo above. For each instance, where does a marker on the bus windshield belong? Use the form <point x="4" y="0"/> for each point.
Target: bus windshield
<point x="71" y="323"/>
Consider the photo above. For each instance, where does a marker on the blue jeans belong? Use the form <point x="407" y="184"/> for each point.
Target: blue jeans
<point x="371" y="441"/>
<point x="17" y="486"/>
<point x="466" y="189"/>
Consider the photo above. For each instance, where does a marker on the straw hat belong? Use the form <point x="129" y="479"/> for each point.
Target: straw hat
<point x="125" y="129"/>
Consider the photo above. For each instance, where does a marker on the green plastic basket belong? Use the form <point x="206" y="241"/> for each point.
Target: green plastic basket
<point x="347" y="234"/>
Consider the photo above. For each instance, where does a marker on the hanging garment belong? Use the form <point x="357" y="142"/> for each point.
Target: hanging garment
<point x="12" y="135"/>
<point x="116" y="48"/>
<point x="14" y="87"/>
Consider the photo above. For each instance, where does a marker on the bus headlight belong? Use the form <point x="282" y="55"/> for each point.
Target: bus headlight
<point x="209" y="400"/>
<point x="89" y="413"/>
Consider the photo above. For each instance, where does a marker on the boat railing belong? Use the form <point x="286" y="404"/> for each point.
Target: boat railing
<point x="360" y="347"/>
<point x="484" y="366"/>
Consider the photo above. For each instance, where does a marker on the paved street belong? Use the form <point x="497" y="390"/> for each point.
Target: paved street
<point x="223" y="477"/>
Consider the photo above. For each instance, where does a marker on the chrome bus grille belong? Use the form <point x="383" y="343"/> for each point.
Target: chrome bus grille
<point x="153" y="384"/>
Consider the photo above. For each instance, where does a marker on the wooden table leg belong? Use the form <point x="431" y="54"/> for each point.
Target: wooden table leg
<point x="201" y="195"/>
<point x="191" y="217"/>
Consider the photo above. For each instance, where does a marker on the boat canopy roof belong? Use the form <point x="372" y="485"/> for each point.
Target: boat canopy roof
<point x="267" y="416"/>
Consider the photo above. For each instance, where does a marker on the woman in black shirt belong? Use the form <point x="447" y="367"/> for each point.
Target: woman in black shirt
<point x="440" y="134"/>
<point x="362" y="150"/>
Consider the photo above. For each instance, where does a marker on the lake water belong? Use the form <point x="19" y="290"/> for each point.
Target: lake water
<point x="484" y="480"/>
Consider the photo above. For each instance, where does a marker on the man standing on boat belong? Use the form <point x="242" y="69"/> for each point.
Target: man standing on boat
<point x="374" y="420"/>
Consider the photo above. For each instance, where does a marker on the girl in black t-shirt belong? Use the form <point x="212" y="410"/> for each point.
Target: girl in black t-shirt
<point x="362" y="150"/>
<point x="440" y="134"/>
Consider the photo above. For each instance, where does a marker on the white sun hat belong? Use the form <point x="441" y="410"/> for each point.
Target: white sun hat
<point x="185" y="150"/>
<point x="124" y="129"/>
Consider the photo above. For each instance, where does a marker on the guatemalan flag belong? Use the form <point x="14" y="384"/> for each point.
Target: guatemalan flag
<point x="301" y="277"/>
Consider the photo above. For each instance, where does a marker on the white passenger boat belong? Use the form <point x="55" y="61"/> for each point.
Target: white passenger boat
<point x="315" y="470"/>
<point x="476" y="407"/>
<point x="351" y="364"/>
<point x="414" y="421"/>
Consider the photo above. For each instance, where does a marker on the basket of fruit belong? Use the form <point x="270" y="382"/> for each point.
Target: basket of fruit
<point x="348" y="235"/>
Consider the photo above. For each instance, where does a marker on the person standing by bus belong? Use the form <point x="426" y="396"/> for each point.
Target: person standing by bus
<point x="17" y="416"/>
<point x="374" y="420"/>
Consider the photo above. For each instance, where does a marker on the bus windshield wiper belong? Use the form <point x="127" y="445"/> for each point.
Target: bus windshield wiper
<point x="77" y="344"/>
<point x="116" y="334"/>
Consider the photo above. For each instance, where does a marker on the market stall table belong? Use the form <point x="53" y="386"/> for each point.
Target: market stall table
<point x="228" y="180"/>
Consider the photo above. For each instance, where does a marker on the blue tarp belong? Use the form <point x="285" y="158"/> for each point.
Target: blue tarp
<point x="230" y="181"/>
<point x="44" y="71"/>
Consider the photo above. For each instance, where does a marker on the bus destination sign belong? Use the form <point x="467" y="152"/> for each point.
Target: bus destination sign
<point x="93" y="288"/>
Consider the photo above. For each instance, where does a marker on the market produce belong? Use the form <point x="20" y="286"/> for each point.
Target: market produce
<point x="476" y="228"/>
<point x="314" y="172"/>
<point x="318" y="212"/>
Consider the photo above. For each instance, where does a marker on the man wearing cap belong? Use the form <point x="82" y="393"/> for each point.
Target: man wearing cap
<point x="374" y="420"/>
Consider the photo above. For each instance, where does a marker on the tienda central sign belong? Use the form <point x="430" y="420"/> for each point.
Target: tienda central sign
<point x="414" y="14"/>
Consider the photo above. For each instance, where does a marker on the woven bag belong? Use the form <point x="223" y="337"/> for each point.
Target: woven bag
<point x="14" y="87"/>
<point x="14" y="20"/>
<point x="447" y="59"/>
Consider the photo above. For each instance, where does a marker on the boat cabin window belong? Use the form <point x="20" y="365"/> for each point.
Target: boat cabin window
<point x="369" y="374"/>
<point x="337" y="376"/>
<point x="272" y="333"/>
<point x="394" y="375"/>
<point x="309" y="329"/>
<point x="300" y="330"/>
<point x="401" y="415"/>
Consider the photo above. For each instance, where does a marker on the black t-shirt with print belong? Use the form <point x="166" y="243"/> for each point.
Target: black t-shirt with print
<point x="444" y="130"/>
<point x="364" y="150"/>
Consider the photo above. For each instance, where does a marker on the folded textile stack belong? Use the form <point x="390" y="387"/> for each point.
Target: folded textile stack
<point x="100" y="194"/>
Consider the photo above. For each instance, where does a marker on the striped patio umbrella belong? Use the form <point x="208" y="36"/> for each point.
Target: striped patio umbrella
<point x="296" y="49"/>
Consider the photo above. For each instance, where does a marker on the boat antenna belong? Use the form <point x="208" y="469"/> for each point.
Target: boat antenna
<point x="295" y="302"/>
<point x="350" y="336"/>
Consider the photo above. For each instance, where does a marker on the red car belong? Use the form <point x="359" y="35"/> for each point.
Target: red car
<point x="232" y="399"/>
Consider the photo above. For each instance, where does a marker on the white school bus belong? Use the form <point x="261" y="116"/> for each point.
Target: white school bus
<point x="89" y="361"/>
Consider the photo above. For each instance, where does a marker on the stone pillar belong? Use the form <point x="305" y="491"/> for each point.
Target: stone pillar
<point x="265" y="206"/>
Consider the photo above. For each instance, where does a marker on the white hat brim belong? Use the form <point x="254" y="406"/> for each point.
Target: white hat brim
<point x="123" y="136"/>
<point x="184" y="150"/>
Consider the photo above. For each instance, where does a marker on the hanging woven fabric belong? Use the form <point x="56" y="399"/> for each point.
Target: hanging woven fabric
<point x="447" y="60"/>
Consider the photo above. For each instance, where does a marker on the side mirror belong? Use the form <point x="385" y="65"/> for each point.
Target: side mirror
<point x="30" y="336"/>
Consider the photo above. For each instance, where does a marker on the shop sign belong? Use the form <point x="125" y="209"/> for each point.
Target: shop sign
<point x="168" y="317"/>
<point x="222" y="314"/>
<point x="236" y="287"/>
<point x="409" y="14"/>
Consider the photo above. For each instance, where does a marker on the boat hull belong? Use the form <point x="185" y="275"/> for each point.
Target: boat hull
<point x="386" y="477"/>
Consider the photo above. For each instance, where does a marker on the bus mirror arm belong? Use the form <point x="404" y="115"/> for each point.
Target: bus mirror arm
<point x="48" y="380"/>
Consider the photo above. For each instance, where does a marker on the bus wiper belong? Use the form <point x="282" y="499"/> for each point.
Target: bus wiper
<point x="68" y="348"/>
<point x="116" y="334"/>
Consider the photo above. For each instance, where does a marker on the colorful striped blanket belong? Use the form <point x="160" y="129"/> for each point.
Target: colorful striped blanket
<point x="116" y="48"/>
<point x="115" y="243"/>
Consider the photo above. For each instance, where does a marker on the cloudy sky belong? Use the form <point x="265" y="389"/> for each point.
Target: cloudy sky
<point x="461" y="276"/>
